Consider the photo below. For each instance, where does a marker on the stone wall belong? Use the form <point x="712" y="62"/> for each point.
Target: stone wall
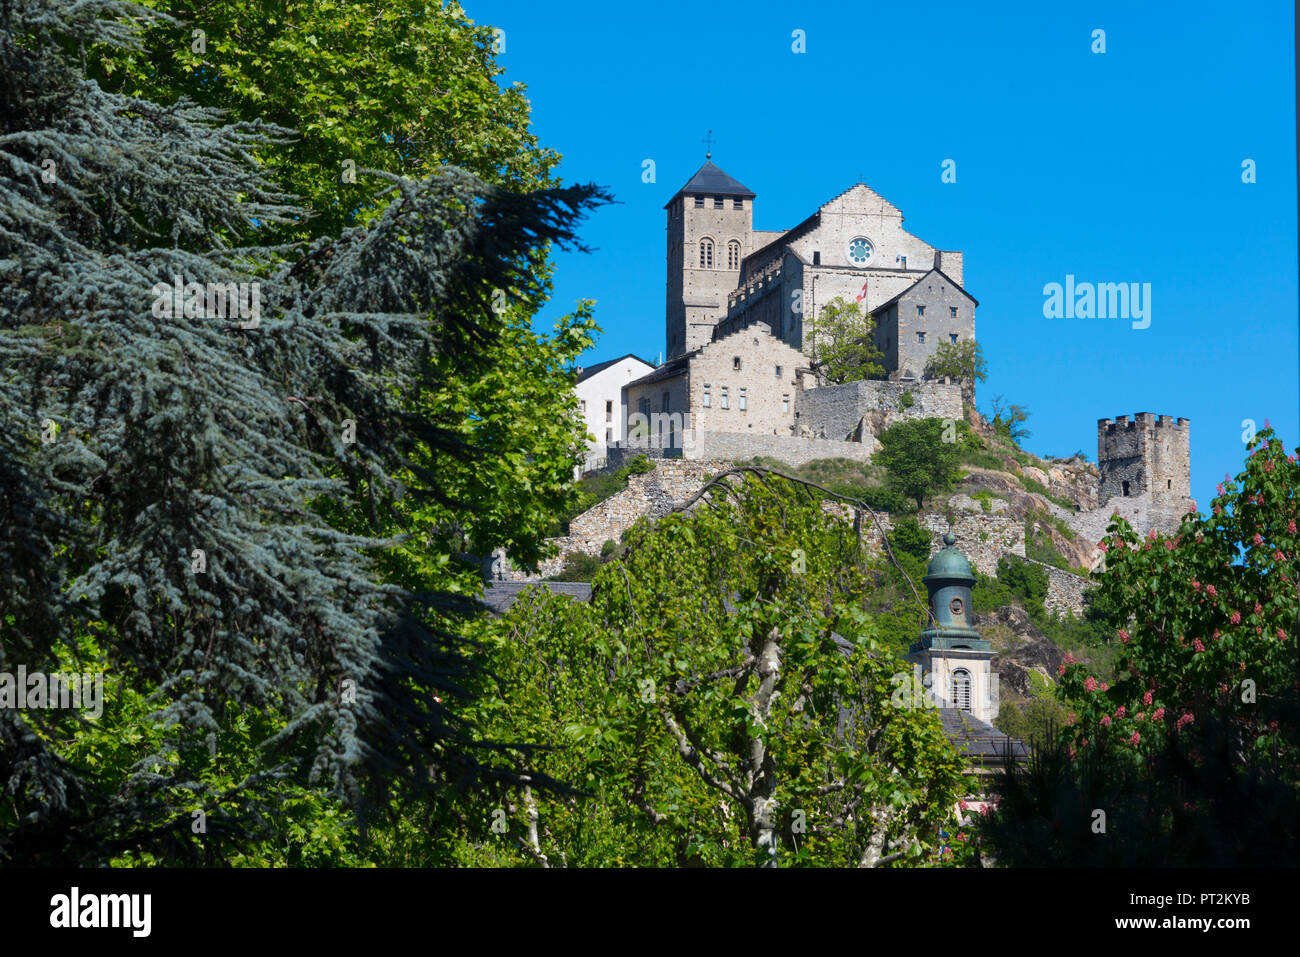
<point x="653" y="494"/>
<point x="983" y="539"/>
<point x="793" y="451"/>
<point x="1065" y="590"/>
<point x="836" y="410"/>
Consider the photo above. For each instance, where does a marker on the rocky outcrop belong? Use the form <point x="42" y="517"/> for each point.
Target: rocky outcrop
<point x="1021" y="648"/>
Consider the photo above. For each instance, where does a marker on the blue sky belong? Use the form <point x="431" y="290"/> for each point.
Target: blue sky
<point x="1123" y="166"/>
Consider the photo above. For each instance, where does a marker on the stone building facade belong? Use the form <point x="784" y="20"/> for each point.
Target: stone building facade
<point x="723" y="275"/>
<point x="910" y="326"/>
<point x="747" y="383"/>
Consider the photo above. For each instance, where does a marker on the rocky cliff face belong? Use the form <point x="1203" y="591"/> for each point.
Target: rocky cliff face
<point x="1021" y="648"/>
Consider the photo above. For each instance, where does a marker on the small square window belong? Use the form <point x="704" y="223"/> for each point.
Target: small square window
<point x="724" y="397"/>
<point x="742" y="400"/>
<point x="665" y="402"/>
<point x="737" y="203"/>
<point x="735" y="363"/>
<point x="718" y="202"/>
<point x="952" y="337"/>
<point x="785" y="403"/>
<point x="778" y="372"/>
<point x="699" y="202"/>
<point x="706" y="400"/>
<point x="609" y="410"/>
<point x="920" y="310"/>
<point x="952" y="311"/>
<point x="817" y="259"/>
<point x="920" y="337"/>
<point x="609" y="436"/>
<point x="583" y="406"/>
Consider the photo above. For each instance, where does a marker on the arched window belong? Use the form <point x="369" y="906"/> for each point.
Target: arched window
<point x="733" y="255"/>
<point x="706" y="253"/>
<point x="961" y="689"/>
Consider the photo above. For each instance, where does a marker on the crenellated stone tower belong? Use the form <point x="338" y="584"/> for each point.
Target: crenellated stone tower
<point x="1148" y="455"/>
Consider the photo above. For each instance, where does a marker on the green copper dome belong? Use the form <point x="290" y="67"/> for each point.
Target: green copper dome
<point x="949" y="563"/>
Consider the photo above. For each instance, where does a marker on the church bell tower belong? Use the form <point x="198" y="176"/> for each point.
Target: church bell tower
<point x="951" y="651"/>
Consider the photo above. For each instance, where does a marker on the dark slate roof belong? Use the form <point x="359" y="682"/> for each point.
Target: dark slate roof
<point x="710" y="180"/>
<point x="670" y="369"/>
<point x="589" y="371"/>
<point x="499" y="596"/>
<point x="889" y="302"/>
<point x="977" y="741"/>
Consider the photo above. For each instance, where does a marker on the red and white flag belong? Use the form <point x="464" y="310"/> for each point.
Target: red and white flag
<point x="862" y="295"/>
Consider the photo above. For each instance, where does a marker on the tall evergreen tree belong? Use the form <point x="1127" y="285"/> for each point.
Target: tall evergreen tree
<point x="159" y="456"/>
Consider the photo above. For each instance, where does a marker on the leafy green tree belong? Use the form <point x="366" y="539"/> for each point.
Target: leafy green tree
<point x="405" y="88"/>
<point x="840" y="345"/>
<point x="1007" y="421"/>
<point x="1195" y="746"/>
<point x="918" y="460"/>
<point x="910" y="537"/>
<point x="168" y="472"/>
<point x="962" y="360"/>
<point x="707" y="704"/>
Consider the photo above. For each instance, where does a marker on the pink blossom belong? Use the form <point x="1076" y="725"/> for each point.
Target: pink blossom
<point x="1236" y="618"/>
<point x="1281" y="635"/>
<point x="1104" y="686"/>
<point x="1258" y="608"/>
<point x="1070" y="659"/>
<point x="1070" y="719"/>
<point x="1198" y="645"/>
<point x="1146" y="698"/>
<point x="1157" y="714"/>
<point x="1120" y="712"/>
<point x="1135" y="739"/>
<point x="1196" y="586"/>
<point x="1220" y="489"/>
<point x="1072" y="752"/>
<point x="1211" y="591"/>
<point x="1141" y="716"/>
<point x="1169" y="546"/>
<point x="1090" y="684"/>
<point x="1268" y="466"/>
<point x="1123" y="636"/>
<point x="1105" y="721"/>
<point x="1152" y="534"/>
<point x="1278" y="556"/>
<point x="963" y="805"/>
<point x="1182" y="722"/>
<point x="1060" y="670"/>
<point x="1215" y="636"/>
<point x="1290" y="526"/>
<point x="1259" y="539"/>
<point x="1218" y="510"/>
<point x="1102" y="546"/>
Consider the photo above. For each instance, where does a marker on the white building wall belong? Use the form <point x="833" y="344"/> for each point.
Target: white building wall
<point x="600" y="400"/>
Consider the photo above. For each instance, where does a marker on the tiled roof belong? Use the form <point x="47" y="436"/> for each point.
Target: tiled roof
<point x="499" y="596"/>
<point x="589" y="371"/>
<point x="712" y="181"/>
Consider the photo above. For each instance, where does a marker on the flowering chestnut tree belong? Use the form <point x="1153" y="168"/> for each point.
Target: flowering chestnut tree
<point x="1211" y="611"/>
<point x="1189" y="754"/>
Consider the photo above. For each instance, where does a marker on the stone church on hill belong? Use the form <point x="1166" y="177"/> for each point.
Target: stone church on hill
<point x="724" y="275"/>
